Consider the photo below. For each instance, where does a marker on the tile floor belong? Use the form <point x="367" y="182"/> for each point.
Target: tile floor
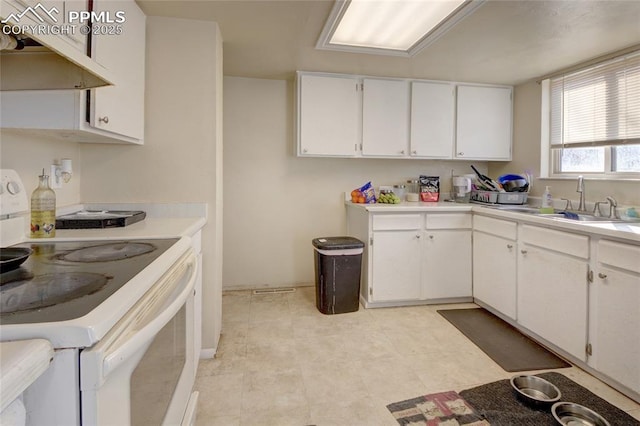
<point x="281" y="362"/>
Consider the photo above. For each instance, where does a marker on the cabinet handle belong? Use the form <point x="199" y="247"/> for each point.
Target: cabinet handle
<point x="414" y="152"/>
<point x="602" y="276"/>
<point x="402" y="152"/>
<point x="104" y="119"/>
<point x="461" y="153"/>
<point x="418" y="236"/>
<point x="523" y="251"/>
<point x="304" y="151"/>
<point x="431" y="237"/>
<point x="509" y="246"/>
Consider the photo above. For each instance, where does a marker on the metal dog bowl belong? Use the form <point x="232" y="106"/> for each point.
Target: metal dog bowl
<point x="535" y="391"/>
<point x="571" y="414"/>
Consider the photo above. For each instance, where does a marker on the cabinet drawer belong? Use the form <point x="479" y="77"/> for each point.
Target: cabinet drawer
<point x="500" y="228"/>
<point x="571" y="244"/>
<point x="623" y="256"/>
<point x="382" y="222"/>
<point x="448" y="221"/>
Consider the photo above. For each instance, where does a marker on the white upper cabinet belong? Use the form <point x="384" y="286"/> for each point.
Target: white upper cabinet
<point x="112" y="114"/>
<point x="120" y="108"/>
<point x="483" y="122"/>
<point x="401" y="118"/>
<point x="385" y="118"/>
<point x="328" y="115"/>
<point x="432" y="119"/>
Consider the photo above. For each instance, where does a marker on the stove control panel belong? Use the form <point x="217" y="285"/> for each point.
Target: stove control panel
<point x="13" y="196"/>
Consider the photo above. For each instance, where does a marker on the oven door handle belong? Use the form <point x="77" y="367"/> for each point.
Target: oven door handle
<point x="145" y="335"/>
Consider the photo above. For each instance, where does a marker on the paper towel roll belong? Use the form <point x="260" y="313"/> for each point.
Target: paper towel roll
<point x="7" y="42"/>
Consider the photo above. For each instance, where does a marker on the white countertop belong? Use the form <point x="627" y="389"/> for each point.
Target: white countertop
<point x="629" y="231"/>
<point x="21" y="363"/>
<point x="419" y="206"/>
<point x="147" y="228"/>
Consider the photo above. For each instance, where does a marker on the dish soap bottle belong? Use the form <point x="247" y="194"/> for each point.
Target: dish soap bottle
<point x="43" y="209"/>
<point x="547" y="202"/>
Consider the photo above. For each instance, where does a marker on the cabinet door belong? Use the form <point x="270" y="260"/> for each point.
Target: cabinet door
<point x="328" y="115"/>
<point x="395" y="260"/>
<point x="552" y="297"/>
<point x="385" y="118"/>
<point x="120" y="108"/>
<point x="432" y="119"/>
<point x="616" y="344"/>
<point x="494" y="272"/>
<point x="483" y="124"/>
<point x="447" y="264"/>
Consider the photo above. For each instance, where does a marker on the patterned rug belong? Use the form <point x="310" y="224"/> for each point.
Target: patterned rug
<point x="496" y="404"/>
<point x="445" y="409"/>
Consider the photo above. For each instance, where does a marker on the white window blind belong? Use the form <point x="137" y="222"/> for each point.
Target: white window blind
<point x="597" y="106"/>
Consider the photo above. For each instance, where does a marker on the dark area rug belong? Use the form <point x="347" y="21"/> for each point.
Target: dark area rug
<point x="497" y="403"/>
<point x="509" y="348"/>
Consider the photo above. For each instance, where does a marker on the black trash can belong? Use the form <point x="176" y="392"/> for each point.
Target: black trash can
<point x="337" y="265"/>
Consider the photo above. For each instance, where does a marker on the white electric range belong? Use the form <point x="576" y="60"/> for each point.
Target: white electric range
<point x="119" y="314"/>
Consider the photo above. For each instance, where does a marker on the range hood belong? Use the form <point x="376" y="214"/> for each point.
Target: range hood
<point x="45" y="61"/>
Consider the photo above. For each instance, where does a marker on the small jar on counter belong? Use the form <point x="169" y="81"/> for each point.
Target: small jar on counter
<point x="412" y="189"/>
<point x="399" y="190"/>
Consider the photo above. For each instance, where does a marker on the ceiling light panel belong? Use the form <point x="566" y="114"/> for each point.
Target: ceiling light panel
<point x="391" y="26"/>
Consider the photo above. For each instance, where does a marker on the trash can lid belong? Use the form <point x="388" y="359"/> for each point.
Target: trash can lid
<point x="337" y="243"/>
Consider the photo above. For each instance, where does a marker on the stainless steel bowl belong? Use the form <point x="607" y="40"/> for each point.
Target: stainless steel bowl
<point x="535" y="391"/>
<point x="571" y="414"/>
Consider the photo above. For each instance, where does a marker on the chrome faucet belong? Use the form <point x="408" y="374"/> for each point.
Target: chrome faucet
<point x="580" y="189"/>
<point x="613" y="213"/>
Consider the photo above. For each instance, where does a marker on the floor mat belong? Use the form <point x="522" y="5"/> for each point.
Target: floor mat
<point x="496" y="402"/>
<point x="445" y="408"/>
<point x="509" y="348"/>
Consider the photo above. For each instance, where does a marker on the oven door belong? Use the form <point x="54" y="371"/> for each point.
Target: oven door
<point x="142" y="371"/>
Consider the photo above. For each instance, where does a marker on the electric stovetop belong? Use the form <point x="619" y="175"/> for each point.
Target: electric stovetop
<point x="67" y="280"/>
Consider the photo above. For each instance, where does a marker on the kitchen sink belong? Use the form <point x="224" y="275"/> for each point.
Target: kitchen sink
<point x="580" y="217"/>
<point x="559" y="214"/>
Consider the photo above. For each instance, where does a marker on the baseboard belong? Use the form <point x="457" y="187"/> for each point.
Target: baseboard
<point x="207" y="353"/>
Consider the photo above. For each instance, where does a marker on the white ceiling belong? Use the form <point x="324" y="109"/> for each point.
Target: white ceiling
<point x="507" y="42"/>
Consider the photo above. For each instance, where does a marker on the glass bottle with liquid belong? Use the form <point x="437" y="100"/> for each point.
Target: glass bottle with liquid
<point x="43" y="209"/>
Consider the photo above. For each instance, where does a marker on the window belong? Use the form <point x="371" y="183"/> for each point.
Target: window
<point x="594" y="120"/>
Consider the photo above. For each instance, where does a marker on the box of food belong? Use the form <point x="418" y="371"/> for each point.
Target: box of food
<point x="429" y="188"/>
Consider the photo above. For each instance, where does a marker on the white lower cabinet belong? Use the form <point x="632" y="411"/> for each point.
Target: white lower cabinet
<point x="494" y="264"/>
<point x="395" y="257"/>
<point x="413" y="257"/>
<point x="446" y="258"/>
<point x="615" y="329"/>
<point x="552" y="287"/>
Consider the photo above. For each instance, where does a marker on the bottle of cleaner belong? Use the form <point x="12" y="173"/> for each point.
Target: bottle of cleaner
<point x="43" y="209"/>
<point x="547" y="202"/>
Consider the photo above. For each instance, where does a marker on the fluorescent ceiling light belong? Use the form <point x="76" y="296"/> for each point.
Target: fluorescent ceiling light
<point x="396" y="27"/>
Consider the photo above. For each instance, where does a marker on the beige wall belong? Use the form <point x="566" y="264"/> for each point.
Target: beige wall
<point x="180" y="160"/>
<point x="28" y="155"/>
<point x="526" y="155"/>
<point x="274" y="202"/>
